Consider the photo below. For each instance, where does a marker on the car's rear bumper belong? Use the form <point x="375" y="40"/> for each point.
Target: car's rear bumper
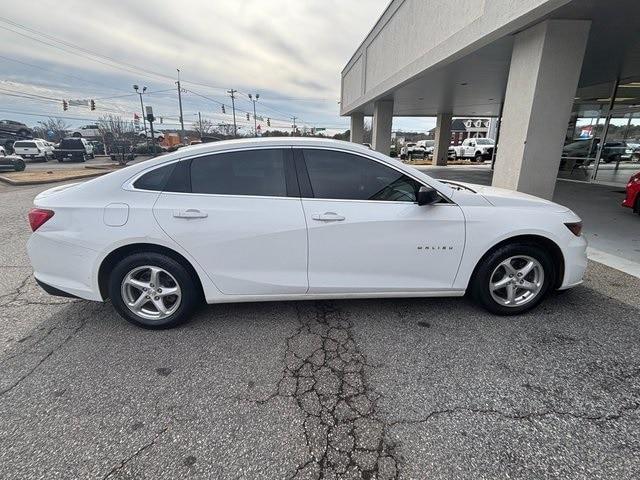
<point x="63" y="267"/>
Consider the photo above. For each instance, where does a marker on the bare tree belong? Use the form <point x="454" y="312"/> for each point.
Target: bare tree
<point x="53" y="129"/>
<point x="225" y="130"/>
<point x="205" y="128"/>
<point x="115" y="132"/>
<point x="115" y="127"/>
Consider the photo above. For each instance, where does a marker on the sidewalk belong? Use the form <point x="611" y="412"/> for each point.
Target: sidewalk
<point x="613" y="232"/>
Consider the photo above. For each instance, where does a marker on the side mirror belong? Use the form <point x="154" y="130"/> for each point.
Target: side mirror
<point x="427" y="196"/>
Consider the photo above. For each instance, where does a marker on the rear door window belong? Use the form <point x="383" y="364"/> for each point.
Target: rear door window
<point x="250" y="172"/>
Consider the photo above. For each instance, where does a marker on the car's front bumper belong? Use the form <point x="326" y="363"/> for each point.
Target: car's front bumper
<point x="575" y="262"/>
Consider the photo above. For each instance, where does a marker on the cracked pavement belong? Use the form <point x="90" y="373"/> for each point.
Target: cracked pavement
<point x="409" y="388"/>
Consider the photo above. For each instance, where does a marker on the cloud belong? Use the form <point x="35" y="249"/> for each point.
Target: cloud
<point x="286" y="48"/>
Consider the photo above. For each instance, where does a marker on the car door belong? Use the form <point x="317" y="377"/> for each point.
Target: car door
<point x="240" y="216"/>
<point x="366" y="231"/>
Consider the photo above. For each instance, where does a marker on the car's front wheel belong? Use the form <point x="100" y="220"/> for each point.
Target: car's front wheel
<point x="513" y="279"/>
<point x="153" y="291"/>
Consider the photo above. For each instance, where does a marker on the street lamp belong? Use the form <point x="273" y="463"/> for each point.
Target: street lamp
<point x="255" y="125"/>
<point x="144" y="122"/>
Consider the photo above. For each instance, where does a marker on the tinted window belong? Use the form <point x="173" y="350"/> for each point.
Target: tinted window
<point x="24" y="144"/>
<point x="71" y="143"/>
<point x="251" y="172"/>
<point x="155" y="179"/>
<point x="345" y="176"/>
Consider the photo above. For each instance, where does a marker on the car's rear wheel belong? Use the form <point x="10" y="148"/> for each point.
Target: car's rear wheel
<point x="513" y="279"/>
<point x="478" y="158"/>
<point x="153" y="291"/>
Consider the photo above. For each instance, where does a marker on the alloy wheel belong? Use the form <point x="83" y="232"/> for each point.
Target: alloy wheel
<point x="516" y="281"/>
<point x="151" y="292"/>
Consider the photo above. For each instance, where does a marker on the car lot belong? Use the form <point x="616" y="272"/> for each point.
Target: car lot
<point x="432" y="388"/>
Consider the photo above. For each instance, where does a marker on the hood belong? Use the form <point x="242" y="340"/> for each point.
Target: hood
<point x="502" y="197"/>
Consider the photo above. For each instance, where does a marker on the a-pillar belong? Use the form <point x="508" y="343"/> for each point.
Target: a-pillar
<point x="357" y="127"/>
<point x="442" y="139"/>
<point x="545" y="68"/>
<point x="382" y="121"/>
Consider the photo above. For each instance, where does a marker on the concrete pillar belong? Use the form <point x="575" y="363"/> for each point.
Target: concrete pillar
<point x="545" y="69"/>
<point x="357" y="127"/>
<point x="382" y="120"/>
<point x="442" y="139"/>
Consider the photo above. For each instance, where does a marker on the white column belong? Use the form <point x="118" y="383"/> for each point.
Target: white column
<point x="545" y="69"/>
<point x="442" y="139"/>
<point x="357" y="127"/>
<point x="382" y="120"/>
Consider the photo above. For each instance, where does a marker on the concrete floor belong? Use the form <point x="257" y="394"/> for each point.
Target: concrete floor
<point x="608" y="227"/>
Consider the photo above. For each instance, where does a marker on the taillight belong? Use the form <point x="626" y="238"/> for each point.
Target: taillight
<point x="575" y="227"/>
<point x="38" y="216"/>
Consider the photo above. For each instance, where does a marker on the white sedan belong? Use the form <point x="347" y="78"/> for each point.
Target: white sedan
<point x="295" y="219"/>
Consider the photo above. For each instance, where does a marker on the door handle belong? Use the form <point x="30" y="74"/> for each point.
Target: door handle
<point x="189" y="213"/>
<point x="327" y="217"/>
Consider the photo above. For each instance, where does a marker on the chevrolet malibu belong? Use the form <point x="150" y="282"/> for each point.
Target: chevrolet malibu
<point x="295" y="219"/>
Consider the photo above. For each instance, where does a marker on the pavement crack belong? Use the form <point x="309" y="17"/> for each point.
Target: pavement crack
<point x="18" y="297"/>
<point x="74" y="331"/>
<point x="528" y="416"/>
<point x="324" y="374"/>
<point x="138" y="452"/>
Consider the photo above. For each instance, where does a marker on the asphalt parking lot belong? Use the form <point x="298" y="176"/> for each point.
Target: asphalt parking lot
<point x="424" y="388"/>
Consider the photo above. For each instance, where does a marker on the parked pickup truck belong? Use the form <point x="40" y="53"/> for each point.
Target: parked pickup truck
<point x="477" y="149"/>
<point x="33" y="149"/>
<point x="73" y="148"/>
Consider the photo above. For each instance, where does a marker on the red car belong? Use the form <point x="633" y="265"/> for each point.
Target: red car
<point x="632" y="199"/>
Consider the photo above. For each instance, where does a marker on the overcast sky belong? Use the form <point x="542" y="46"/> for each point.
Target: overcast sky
<point x="291" y="52"/>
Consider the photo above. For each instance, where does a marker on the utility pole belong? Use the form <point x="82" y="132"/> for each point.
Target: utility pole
<point x="200" y="120"/>
<point x="294" y="126"/>
<point x="233" y="107"/>
<point x="180" y="103"/>
<point x="144" y="121"/>
<point x="255" y="124"/>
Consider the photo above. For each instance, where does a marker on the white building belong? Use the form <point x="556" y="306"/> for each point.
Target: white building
<point x="537" y="64"/>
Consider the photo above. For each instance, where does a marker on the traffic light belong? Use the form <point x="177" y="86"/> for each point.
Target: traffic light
<point x="65" y="105"/>
<point x="268" y="122"/>
<point x="92" y="104"/>
<point x="248" y="116"/>
<point x="223" y="110"/>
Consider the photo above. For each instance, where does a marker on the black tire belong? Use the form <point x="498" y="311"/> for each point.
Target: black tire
<point x="190" y="290"/>
<point x="478" y="158"/>
<point x="482" y="277"/>
<point x="77" y="135"/>
<point x="84" y="158"/>
<point x="60" y="160"/>
<point x="19" y="165"/>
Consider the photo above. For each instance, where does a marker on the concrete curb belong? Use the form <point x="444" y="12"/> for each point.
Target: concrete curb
<point x="627" y="266"/>
<point x="13" y="182"/>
